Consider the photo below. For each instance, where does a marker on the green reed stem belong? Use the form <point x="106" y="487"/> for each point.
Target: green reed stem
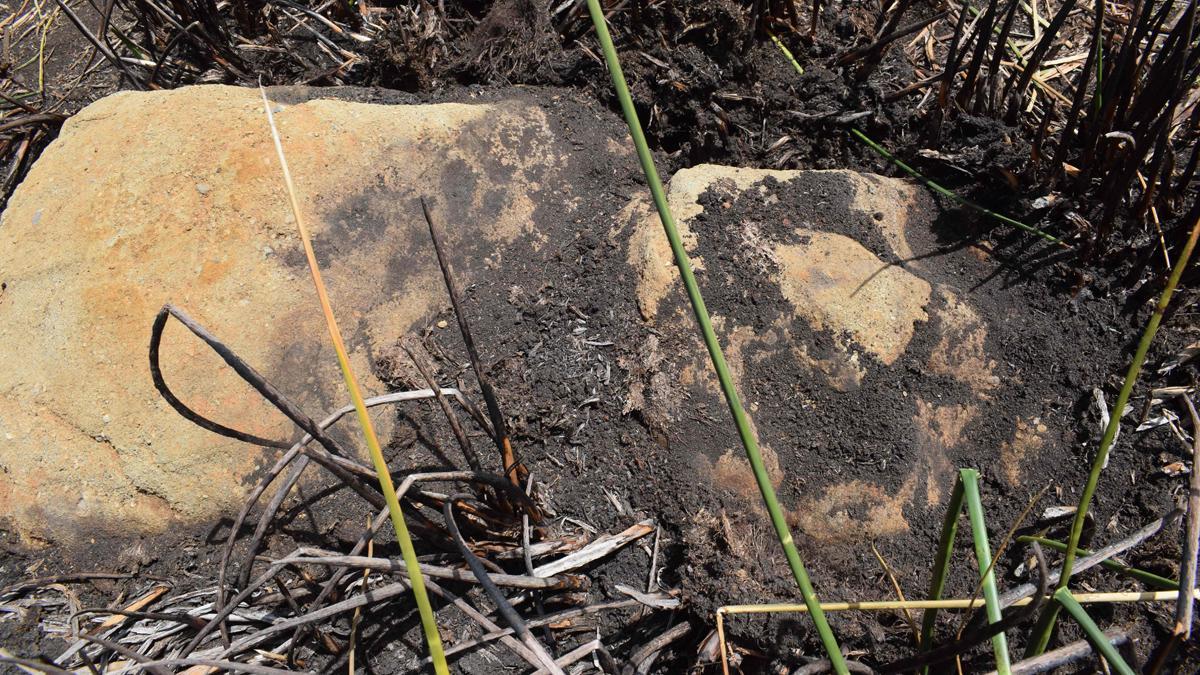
<point x="1148" y="578"/>
<point x="711" y="343"/>
<point x="983" y="555"/>
<point x="787" y="53"/>
<point x="945" y="192"/>
<point x="1045" y="625"/>
<point x="941" y="564"/>
<point x="1100" y="641"/>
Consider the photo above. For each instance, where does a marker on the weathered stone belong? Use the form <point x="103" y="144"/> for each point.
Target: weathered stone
<point x="149" y="198"/>
<point x="176" y="197"/>
<point x="869" y="305"/>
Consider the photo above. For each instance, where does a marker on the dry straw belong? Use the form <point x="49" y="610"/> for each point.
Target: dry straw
<point x="428" y="622"/>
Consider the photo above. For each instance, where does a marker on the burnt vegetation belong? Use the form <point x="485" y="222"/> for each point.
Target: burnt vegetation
<point x="1080" y="117"/>
<point x="1077" y="118"/>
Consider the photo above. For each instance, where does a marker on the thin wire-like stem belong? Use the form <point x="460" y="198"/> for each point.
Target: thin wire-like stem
<point x="964" y="641"/>
<point x="929" y="183"/>
<point x="1095" y="558"/>
<point x="428" y="622"/>
<point x="710" y="341"/>
<point x="503" y="607"/>
<point x="512" y="466"/>
<point x="1141" y="575"/>
<point x="945" y="192"/>
<point x="983" y="555"/>
<point x="1191" y="540"/>
<point x="1041" y="637"/>
<point x="941" y="564"/>
<point x="1114" y="597"/>
<point x="908" y="617"/>
<point x="1096" y="636"/>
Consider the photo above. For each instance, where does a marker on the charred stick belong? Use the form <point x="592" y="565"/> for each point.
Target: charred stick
<point x="558" y="582"/>
<point x="142" y="660"/>
<point x="1165" y="82"/>
<point x="1149" y="530"/>
<point x="353" y="474"/>
<point x="180" y="407"/>
<point x="166" y="52"/>
<point x="512" y="466"/>
<point x="364" y="599"/>
<point x="642" y="659"/>
<point x="176" y="617"/>
<point x="1116" y="184"/>
<point x="227" y="550"/>
<point x="240" y="367"/>
<point x="240" y="520"/>
<point x="884" y="8"/>
<point x="223" y="613"/>
<point x="557" y="617"/>
<point x="1121" y="74"/>
<point x="332" y="456"/>
<point x="901" y="7"/>
<point x="790" y="14"/>
<point x="100" y="45"/>
<point x="268" y="515"/>
<point x="292" y="454"/>
<point x="1185" y="178"/>
<point x="527" y="558"/>
<point x="1039" y="52"/>
<point x="381" y="519"/>
<point x="368" y="597"/>
<point x="216" y="665"/>
<point x="1035" y="152"/>
<point x="983" y="28"/>
<point x="574" y="656"/>
<point x="608" y="665"/>
<point x="1162" y="153"/>
<point x="502" y="605"/>
<point x="1092" y="126"/>
<point x="856" y="54"/>
<point x="954" y="57"/>
<point x="510" y="642"/>
<point x="80" y="577"/>
<point x="993" y="83"/>
<point x="1065" y="141"/>
<point x="35" y="665"/>
<point x="1143" y="60"/>
<point x="889" y="33"/>
<point x="463" y="441"/>
<point x="1187" y="566"/>
<point x="1062" y="656"/>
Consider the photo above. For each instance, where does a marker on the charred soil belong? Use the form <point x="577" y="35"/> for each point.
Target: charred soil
<point x="563" y="339"/>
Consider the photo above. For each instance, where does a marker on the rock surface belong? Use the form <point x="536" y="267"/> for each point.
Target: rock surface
<point x="828" y="298"/>
<point x="149" y="198"/>
<point x="864" y="363"/>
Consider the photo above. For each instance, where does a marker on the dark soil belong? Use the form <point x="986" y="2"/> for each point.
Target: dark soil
<point x="1050" y="351"/>
<point x="712" y="94"/>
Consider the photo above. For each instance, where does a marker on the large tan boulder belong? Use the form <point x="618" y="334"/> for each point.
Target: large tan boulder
<point x="148" y="198"/>
<point x="864" y="358"/>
